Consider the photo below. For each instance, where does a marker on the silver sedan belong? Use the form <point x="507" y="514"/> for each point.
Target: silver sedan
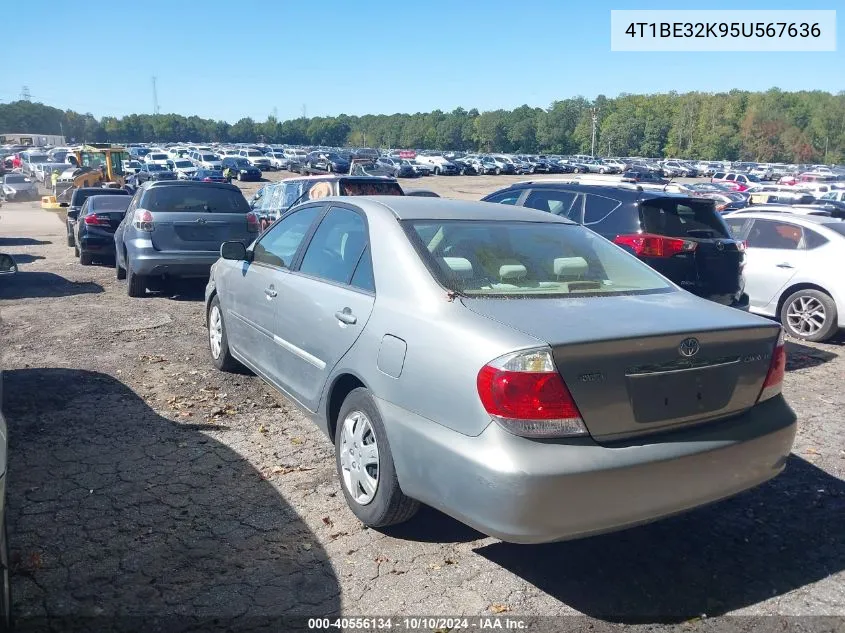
<point x="504" y="365"/>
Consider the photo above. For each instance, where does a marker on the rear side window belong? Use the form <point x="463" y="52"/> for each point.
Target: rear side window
<point x="336" y="247"/>
<point x="195" y="199"/>
<point x="682" y="218"/>
<point x="564" y="203"/>
<point x="597" y="208"/>
<point x="813" y="239"/>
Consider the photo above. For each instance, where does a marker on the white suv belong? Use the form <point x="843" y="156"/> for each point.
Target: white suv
<point x="255" y="158"/>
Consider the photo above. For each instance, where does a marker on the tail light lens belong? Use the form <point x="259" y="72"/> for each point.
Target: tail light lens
<point x="525" y="395"/>
<point x="97" y="220"/>
<point x="650" y="245"/>
<point x="777" y="367"/>
<point x="143" y="220"/>
<point x="252" y="223"/>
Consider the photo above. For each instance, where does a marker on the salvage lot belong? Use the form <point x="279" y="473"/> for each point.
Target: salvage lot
<point x="143" y="482"/>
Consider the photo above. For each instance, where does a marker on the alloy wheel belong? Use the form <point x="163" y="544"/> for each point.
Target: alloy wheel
<point x="359" y="457"/>
<point x="806" y="315"/>
<point x="215" y="331"/>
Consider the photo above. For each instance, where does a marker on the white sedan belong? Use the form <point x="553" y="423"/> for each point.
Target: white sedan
<point x="794" y="270"/>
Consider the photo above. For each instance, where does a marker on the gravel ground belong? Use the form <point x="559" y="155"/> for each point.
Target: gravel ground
<point x="144" y="483"/>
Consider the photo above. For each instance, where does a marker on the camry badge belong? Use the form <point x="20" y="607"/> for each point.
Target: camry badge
<point x="689" y="347"/>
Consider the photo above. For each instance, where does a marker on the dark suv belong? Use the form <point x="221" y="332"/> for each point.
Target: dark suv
<point x="681" y="237"/>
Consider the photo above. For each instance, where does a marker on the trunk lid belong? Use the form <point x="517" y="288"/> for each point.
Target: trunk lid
<point x="621" y="357"/>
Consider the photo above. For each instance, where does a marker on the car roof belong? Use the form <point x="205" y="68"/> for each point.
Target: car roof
<point x="103" y="191"/>
<point x="797" y="217"/>
<point x="155" y="184"/>
<point x="627" y="188"/>
<point x="425" y="208"/>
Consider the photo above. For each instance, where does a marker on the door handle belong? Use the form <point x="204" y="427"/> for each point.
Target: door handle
<point x="346" y="316"/>
<point x="785" y="265"/>
<point x="270" y="292"/>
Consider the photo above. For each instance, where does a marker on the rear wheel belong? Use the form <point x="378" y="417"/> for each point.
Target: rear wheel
<point x="809" y="315"/>
<point x="70" y="240"/>
<point x="365" y="464"/>
<point x="85" y="258"/>
<point x="136" y="285"/>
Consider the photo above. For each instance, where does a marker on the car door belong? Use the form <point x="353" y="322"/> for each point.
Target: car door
<point x="250" y="289"/>
<point x="774" y="254"/>
<point x="324" y="304"/>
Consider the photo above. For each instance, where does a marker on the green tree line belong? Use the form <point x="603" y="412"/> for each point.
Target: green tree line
<point x="738" y="125"/>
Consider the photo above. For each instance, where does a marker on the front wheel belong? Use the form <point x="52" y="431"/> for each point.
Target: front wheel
<point x="365" y="464"/>
<point x="437" y="171"/>
<point x="498" y="171"/>
<point x="218" y="341"/>
<point x="809" y="315"/>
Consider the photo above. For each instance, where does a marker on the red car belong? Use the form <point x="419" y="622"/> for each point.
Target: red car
<point x="739" y="182"/>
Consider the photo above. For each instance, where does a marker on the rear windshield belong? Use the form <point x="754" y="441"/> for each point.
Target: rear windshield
<point x="12" y="178"/>
<point x="367" y="188"/>
<point x="682" y="218"/>
<point x="158" y="156"/>
<point x="195" y="198"/>
<point x="490" y="259"/>
<point x="109" y="203"/>
<point x="80" y="195"/>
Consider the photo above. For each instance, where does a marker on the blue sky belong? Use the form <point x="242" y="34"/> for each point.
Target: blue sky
<point x="334" y="56"/>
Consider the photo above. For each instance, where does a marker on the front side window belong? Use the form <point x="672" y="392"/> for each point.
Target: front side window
<point x="527" y="259"/>
<point x="278" y="246"/>
<point x="336" y="247"/>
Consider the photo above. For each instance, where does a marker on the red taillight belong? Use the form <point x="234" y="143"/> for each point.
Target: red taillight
<point x="777" y="368"/>
<point x="97" y="220"/>
<point x="206" y="179"/>
<point x="143" y="220"/>
<point x="649" y="245"/>
<point x="527" y="396"/>
<point x="252" y="223"/>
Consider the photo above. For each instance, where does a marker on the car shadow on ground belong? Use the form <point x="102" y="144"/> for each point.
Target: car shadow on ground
<point x="764" y="543"/>
<point x="26" y="285"/>
<point x="121" y="519"/>
<point x="22" y="241"/>
<point x="26" y="258"/>
<point x="432" y="526"/>
<point x="800" y="356"/>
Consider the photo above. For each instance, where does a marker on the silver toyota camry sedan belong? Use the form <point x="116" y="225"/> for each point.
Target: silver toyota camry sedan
<point x="506" y="366"/>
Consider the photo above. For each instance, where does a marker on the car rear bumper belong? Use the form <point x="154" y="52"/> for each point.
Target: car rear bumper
<point x="530" y="491"/>
<point x="97" y="244"/>
<point x="145" y="260"/>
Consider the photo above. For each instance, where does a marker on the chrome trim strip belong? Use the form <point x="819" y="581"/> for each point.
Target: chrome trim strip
<point x="293" y="349"/>
<point x="683" y="369"/>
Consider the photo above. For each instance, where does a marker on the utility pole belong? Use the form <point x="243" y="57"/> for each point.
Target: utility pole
<point x="595" y="118"/>
<point x="155" y="97"/>
<point x="25" y="94"/>
<point x="304" y="112"/>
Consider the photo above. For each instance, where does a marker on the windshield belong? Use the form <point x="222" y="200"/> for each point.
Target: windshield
<point x="182" y="163"/>
<point x="209" y="198"/>
<point x="207" y="157"/>
<point x="99" y="203"/>
<point x="682" y="218"/>
<point x="838" y="228"/>
<point x="14" y="178"/>
<point x="489" y="258"/>
<point x="158" y="157"/>
<point x="154" y="167"/>
<point x="254" y="152"/>
<point x="38" y="158"/>
<point x="334" y="157"/>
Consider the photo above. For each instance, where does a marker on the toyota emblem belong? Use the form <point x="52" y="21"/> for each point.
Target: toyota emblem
<point x="720" y="246"/>
<point x="689" y="347"/>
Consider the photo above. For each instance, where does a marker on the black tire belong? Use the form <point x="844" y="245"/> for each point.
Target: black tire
<point x="75" y="250"/>
<point x="119" y="271"/>
<point x="829" y="326"/>
<point x="329" y="167"/>
<point x="85" y="258"/>
<point x="136" y="285"/>
<point x="225" y="361"/>
<point x="389" y="505"/>
<point x="239" y="177"/>
<point x="437" y="171"/>
<point x="6" y="620"/>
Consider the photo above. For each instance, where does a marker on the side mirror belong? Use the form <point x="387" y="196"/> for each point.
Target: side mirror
<point x="7" y="265"/>
<point x="233" y="250"/>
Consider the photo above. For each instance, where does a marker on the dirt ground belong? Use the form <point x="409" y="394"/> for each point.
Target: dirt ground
<point x="142" y="483"/>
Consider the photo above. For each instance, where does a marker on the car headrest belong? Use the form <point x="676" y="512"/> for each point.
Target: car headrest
<point x="570" y="266"/>
<point x="458" y="267"/>
<point x="512" y="271"/>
